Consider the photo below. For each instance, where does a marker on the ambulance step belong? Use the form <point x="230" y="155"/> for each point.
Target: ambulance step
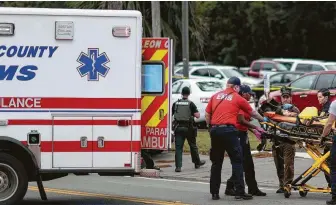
<point x="40" y="186"/>
<point x="152" y="173"/>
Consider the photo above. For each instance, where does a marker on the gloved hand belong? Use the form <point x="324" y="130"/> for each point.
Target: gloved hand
<point x="287" y="106"/>
<point x="259" y="129"/>
<point x="323" y="139"/>
<point x="257" y="134"/>
<point x="266" y="119"/>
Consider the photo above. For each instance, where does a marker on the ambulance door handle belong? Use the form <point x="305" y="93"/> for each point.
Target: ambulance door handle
<point x="161" y="114"/>
<point x="101" y="143"/>
<point x="84" y="142"/>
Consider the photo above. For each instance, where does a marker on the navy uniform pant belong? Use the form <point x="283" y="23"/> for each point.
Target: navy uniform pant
<point x="247" y="164"/>
<point x="226" y="139"/>
<point x="333" y="167"/>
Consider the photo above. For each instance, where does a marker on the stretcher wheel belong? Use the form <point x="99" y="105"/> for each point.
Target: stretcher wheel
<point x="287" y="193"/>
<point x="303" y="193"/>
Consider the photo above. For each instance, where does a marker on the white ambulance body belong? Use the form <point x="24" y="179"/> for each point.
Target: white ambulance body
<point x="70" y="98"/>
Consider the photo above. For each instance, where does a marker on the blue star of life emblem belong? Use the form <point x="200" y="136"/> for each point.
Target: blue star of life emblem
<point x="93" y="64"/>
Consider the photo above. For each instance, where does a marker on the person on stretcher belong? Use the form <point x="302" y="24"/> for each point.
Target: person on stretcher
<point x="284" y="151"/>
<point x="287" y="108"/>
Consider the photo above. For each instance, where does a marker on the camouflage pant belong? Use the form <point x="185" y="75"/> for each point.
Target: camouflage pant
<point x="283" y="155"/>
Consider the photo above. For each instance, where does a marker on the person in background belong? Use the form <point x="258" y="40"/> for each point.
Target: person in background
<point x="323" y="96"/>
<point x="284" y="151"/>
<point x="327" y="129"/>
<point x="149" y="162"/>
<point x="221" y="116"/>
<point x="184" y="112"/>
<point x="243" y="125"/>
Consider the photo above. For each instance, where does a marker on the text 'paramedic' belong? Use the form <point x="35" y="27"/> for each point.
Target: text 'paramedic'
<point x="27" y="71"/>
<point x="20" y="102"/>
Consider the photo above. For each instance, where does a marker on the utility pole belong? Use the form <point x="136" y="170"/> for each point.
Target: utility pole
<point x="185" y="38"/>
<point x="156" y="19"/>
<point x="114" y="5"/>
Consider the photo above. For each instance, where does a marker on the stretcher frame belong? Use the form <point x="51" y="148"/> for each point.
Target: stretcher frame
<point x="311" y="146"/>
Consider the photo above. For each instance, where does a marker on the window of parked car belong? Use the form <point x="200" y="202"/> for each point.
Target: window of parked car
<point x="304" y="83"/>
<point x="303" y="67"/>
<point x="316" y="68"/>
<point x="210" y="86"/>
<point x="276" y="78"/>
<point x="289" y="77"/>
<point x="256" y="67"/>
<point x="201" y="72"/>
<point x="324" y="81"/>
<point x="214" y="72"/>
<point x="232" y="72"/>
<point x="268" y="66"/>
<point x="331" y="67"/>
<point x="176" y="86"/>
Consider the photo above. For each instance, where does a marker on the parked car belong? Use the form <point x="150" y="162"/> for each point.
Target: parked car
<point x="194" y="63"/>
<point x="221" y="72"/>
<point x="201" y="91"/>
<point x="263" y="66"/>
<point x="244" y="69"/>
<point x="305" y="88"/>
<point x="277" y="80"/>
<point x="312" y="66"/>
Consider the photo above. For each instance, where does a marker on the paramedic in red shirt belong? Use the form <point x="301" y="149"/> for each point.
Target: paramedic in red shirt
<point x="243" y="126"/>
<point x="221" y="115"/>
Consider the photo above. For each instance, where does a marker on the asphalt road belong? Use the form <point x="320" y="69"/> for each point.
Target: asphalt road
<point x="93" y="189"/>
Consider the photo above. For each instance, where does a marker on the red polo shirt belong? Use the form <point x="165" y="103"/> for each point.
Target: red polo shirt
<point x="247" y="117"/>
<point x="227" y="110"/>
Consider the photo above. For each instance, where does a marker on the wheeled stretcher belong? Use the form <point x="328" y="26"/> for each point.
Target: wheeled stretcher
<point x="305" y="130"/>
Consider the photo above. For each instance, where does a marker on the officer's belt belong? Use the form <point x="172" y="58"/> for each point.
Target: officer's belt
<point x="226" y="125"/>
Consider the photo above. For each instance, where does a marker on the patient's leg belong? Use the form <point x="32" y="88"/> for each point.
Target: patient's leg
<point x="289" y="155"/>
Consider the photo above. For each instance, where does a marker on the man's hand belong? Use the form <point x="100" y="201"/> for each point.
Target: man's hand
<point x="323" y="139"/>
<point x="257" y="133"/>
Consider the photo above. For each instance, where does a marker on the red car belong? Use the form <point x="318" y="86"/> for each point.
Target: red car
<point x="259" y="67"/>
<point x="305" y="88"/>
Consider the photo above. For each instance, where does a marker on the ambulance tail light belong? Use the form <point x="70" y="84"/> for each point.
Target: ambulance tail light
<point x="204" y="100"/>
<point x="123" y="123"/>
<point x="7" y="29"/>
<point x="121" y="31"/>
<point x="137" y="162"/>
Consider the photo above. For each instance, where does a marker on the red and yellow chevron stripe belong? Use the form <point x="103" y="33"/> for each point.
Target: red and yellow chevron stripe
<point x="152" y="105"/>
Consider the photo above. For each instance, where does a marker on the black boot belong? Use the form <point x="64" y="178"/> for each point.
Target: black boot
<point x="280" y="191"/>
<point x="230" y="190"/>
<point x="201" y="163"/>
<point x="215" y="197"/>
<point x="244" y="196"/>
<point x="178" y="169"/>
<point x="257" y="192"/>
<point x="332" y="201"/>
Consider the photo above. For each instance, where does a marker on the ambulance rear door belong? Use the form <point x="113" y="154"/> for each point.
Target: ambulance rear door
<point x="155" y="102"/>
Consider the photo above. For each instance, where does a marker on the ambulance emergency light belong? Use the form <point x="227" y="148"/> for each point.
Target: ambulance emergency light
<point x="7" y="29"/>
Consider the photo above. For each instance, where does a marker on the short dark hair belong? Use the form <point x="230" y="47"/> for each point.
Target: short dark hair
<point x="186" y="91"/>
<point x="325" y="92"/>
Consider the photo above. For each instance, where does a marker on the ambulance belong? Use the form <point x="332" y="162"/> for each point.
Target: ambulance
<point x="81" y="92"/>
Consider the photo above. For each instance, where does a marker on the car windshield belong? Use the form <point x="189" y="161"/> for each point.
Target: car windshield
<point x="331" y="67"/>
<point x="210" y="86"/>
<point x="281" y="67"/>
<point x="287" y="64"/>
<point x="232" y="72"/>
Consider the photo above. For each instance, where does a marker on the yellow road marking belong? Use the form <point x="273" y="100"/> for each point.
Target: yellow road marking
<point x="106" y="196"/>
